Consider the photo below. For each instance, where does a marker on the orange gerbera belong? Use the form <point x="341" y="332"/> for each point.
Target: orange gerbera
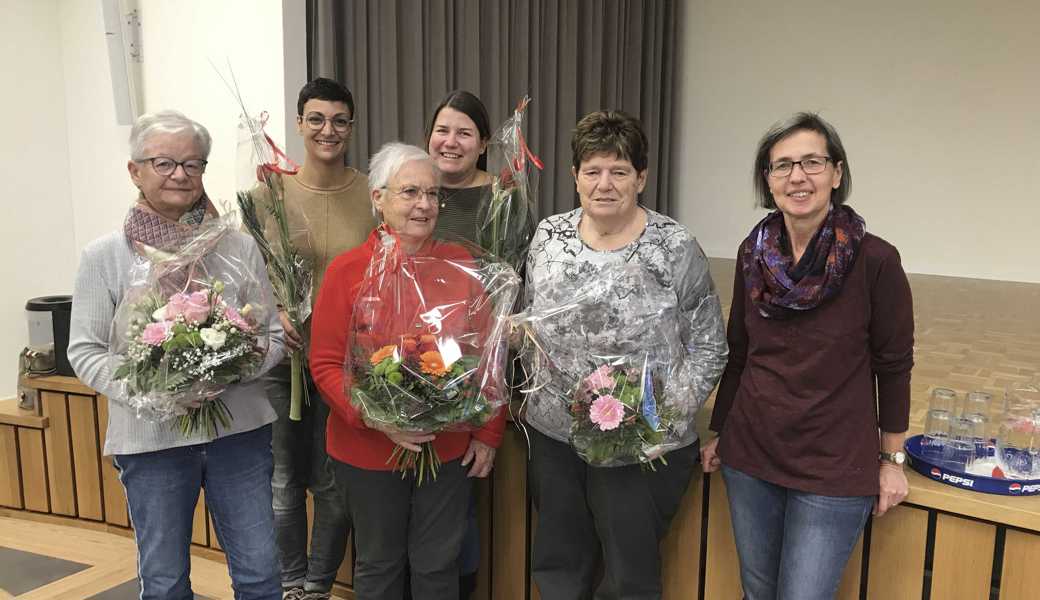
<point x="382" y="353"/>
<point x="432" y="363"/>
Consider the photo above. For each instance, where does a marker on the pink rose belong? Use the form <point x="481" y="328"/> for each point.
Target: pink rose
<point x="607" y="412"/>
<point x="599" y="379"/>
<point x="236" y="319"/>
<point x="194" y="307"/>
<point x="155" y="333"/>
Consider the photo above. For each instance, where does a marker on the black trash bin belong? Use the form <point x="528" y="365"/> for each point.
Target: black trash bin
<point x="57" y="310"/>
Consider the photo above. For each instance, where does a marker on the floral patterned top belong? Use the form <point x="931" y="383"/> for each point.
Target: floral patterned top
<point x="663" y="274"/>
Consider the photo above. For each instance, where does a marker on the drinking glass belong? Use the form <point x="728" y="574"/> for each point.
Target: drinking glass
<point x="977" y="406"/>
<point x="943" y="399"/>
<point x="959" y="450"/>
<point x="936" y="433"/>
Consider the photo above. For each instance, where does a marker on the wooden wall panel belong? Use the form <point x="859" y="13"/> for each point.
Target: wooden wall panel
<point x="34" y="469"/>
<point x="113" y="493"/>
<point x="59" y="454"/>
<point x="10" y="477"/>
<point x="509" y="556"/>
<point x="681" y="549"/>
<point x="86" y="457"/>
<point x="963" y="558"/>
<point x="897" y="545"/>
<point x="722" y="572"/>
<point x="199" y="535"/>
<point x="1020" y="579"/>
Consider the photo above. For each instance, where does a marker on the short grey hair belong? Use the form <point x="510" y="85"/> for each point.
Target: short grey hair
<point x="166" y="121"/>
<point x="803" y="121"/>
<point x="388" y="161"/>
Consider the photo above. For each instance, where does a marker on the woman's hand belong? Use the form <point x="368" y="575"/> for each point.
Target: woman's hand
<point x="481" y="455"/>
<point x="894" y="487"/>
<point x="409" y="440"/>
<point x="710" y="460"/>
<point x="293" y="339"/>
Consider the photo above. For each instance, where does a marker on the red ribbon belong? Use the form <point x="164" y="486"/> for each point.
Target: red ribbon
<point x="525" y="151"/>
<point x="274" y="166"/>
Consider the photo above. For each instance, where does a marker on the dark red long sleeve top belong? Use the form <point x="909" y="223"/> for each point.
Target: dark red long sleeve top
<point x="348" y="438"/>
<point x="802" y="399"/>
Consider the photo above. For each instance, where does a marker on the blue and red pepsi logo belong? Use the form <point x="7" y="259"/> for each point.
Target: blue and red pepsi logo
<point x="936" y="472"/>
<point x="1015" y="488"/>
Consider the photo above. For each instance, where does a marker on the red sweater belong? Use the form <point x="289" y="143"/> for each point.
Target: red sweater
<point x="802" y="399"/>
<point x="348" y="439"/>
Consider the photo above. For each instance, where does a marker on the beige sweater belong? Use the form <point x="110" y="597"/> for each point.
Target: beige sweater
<point x="325" y="223"/>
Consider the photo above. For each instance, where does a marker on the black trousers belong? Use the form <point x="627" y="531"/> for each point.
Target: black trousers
<point x="399" y="526"/>
<point x="608" y="520"/>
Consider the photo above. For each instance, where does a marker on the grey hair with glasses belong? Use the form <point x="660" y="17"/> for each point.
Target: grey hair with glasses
<point x="385" y="163"/>
<point x="803" y="121"/>
<point x="166" y="121"/>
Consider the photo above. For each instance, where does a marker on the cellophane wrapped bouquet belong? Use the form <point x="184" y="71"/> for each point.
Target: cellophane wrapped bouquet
<point x="506" y="215"/>
<point x="191" y="323"/>
<point x="606" y="366"/>
<point x="281" y="236"/>
<point x="428" y="342"/>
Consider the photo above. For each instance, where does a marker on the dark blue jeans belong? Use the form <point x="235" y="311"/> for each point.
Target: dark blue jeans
<point x="162" y="488"/>
<point x="301" y="463"/>
<point x="792" y="545"/>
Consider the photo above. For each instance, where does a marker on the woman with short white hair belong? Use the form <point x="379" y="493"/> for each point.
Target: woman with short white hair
<point x="162" y="468"/>
<point x="400" y="522"/>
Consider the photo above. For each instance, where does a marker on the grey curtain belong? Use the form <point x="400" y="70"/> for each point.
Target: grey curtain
<point x="401" y="57"/>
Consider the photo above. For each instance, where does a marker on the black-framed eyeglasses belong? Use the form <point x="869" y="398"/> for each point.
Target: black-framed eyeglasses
<point x="165" y="166"/>
<point x="411" y="194"/>
<point x="814" y="165"/>
<point x="316" y="121"/>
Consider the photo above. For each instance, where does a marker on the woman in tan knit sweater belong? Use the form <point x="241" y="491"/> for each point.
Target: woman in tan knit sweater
<point x="329" y="212"/>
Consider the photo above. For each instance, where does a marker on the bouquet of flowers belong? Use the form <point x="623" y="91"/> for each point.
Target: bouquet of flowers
<point x="190" y="325"/>
<point x="616" y="414"/>
<point x="427" y="343"/>
<point x="261" y="200"/>
<point x="606" y="366"/>
<point x="506" y="214"/>
<point x="290" y="274"/>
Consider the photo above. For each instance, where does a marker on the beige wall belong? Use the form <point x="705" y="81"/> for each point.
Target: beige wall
<point x="937" y="102"/>
<point x="63" y="155"/>
<point x="37" y="251"/>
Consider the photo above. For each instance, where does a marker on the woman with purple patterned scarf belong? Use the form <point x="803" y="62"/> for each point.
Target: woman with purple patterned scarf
<point x="814" y="403"/>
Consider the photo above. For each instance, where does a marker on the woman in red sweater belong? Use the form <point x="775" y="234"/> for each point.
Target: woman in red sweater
<point x="815" y="399"/>
<point x="399" y="524"/>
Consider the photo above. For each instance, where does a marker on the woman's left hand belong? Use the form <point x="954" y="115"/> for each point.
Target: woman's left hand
<point x="894" y="488"/>
<point x="481" y="455"/>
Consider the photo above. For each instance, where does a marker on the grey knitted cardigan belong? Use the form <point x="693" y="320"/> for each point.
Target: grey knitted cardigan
<point x="103" y="278"/>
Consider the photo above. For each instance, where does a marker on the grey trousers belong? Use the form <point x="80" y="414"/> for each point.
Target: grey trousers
<point x="600" y="528"/>
<point x="398" y="525"/>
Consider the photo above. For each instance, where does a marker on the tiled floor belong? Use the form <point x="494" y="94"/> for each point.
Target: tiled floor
<point x="43" y="560"/>
<point x="22" y="571"/>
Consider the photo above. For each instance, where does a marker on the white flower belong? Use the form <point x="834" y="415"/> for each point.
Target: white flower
<point x="159" y="314"/>
<point x="213" y="338"/>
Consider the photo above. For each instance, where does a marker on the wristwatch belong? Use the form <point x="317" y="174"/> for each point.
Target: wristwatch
<point x="896" y="458"/>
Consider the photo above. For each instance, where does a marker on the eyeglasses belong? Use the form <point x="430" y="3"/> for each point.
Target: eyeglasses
<point x="165" y="166"/>
<point x="340" y="123"/>
<point x="813" y="165"/>
<point x="411" y="194"/>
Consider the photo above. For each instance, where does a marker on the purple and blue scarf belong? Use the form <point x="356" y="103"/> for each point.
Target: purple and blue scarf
<point x="779" y="288"/>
